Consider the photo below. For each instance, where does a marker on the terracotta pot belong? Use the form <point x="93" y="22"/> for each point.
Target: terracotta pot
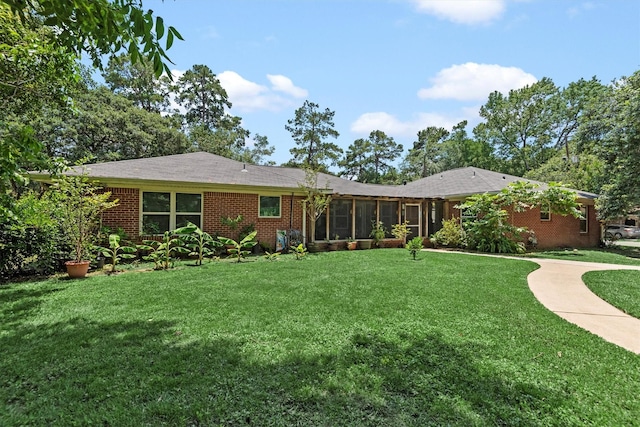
<point x="77" y="270"/>
<point x="352" y="245"/>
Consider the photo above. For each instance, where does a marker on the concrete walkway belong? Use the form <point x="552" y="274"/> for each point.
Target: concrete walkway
<point x="558" y="285"/>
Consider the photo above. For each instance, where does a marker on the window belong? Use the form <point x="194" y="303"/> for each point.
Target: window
<point x="365" y="214"/>
<point x="389" y="215"/>
<point x="467" y="216"/>
<point x="321" y="227"/>
<point x="545" y="213"/>
<point x="584" y="219"/>
<point x="340" y="218"/>
<point x="269" y="207"/>
<point x="164" y="211"/>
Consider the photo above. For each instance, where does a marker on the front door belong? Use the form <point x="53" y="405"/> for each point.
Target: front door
<point x="412" y="215"/>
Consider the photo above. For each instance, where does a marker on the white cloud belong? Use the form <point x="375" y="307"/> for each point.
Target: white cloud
<point x="246" y="95"/>
<point x="395" y="127"/>
<point x="473" y="81"/>
<point x="583" y="7"/>
<point x="280" y="83"/>
<point x="462" y="12"/>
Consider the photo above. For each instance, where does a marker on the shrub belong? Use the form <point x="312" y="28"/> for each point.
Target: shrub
<point x="450" y="235"/>
<point x="414" y="246"/>
<point x="33" y="243"/>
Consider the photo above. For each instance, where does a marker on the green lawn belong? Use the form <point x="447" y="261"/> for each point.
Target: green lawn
<point x="340" y="338"/>
<point x="620" y="288"/>
<point x="616" y="255"/>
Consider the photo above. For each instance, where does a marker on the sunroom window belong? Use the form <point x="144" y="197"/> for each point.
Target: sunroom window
<point x="165" y="211"/>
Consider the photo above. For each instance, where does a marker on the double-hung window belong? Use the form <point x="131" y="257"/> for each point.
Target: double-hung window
<point x="584" y="219"/>
<point x="165" y="211"/>
<point x="545" y="213"/>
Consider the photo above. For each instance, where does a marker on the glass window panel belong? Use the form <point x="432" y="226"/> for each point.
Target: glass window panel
<point x="156" y="202"/>
<point x="155" y="224"/>
<point x="365" y="214"/>
<point x="584" y="221"/>
<point x="188" y="202"/>
<point x="182" y="220"/>
<point x="340" y="219"/>
<point x="545" y="214"/>
<point x="270" y="206"/>
<point x="389" y="215"/>
<point x="321" y="227"/>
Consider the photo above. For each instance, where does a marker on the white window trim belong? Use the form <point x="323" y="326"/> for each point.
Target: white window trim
<point x="548" y="213"/>
<point x="586" y="219"/>
<point x="172" y="209"/>
<point x="260" y="196"/>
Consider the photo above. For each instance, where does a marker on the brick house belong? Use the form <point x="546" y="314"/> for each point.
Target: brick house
<point x="162" y="193"/>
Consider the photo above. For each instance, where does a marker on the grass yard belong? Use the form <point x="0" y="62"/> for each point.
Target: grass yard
<point x="616" y="255"/>
<point x="336" y="339"/>
<point x="620" y="288"/>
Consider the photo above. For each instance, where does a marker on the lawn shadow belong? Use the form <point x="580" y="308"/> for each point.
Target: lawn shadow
<point x="17" y="303"/>
<point x="152" y="373"/>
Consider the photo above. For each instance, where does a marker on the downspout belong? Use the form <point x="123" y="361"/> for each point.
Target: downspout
<point x="290" y="218"/>
<point x="304" y="223"/>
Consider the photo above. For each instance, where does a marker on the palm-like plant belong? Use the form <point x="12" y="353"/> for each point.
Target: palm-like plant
<point x="242" y="248"/>
<point x="199" y="242"/>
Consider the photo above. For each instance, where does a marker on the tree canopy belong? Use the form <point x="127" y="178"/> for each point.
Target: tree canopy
<point x="101" y="27"/>
<point x="310" y="129"/>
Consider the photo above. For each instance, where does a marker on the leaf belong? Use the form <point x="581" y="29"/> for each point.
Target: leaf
<point x="169" y="40"/>
<point x="159" y="27"/>
<point x="175" y="33"/>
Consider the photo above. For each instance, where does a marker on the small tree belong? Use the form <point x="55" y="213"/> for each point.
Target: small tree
<point x="81" y="206"/>
<point x="316" y="200"/>
<point x="414" y="246"/>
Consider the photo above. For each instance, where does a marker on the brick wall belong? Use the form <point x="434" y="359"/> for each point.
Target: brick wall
<point x="218" y="205"/>
<point x="127" y="213"/>
<point x="559" y="231"/>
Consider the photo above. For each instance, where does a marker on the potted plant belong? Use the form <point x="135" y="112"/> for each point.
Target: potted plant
<point x="352" y="244"/>
<point x="401" y="231"/>
<point x="378" y="232"/>
<point x="333" y="244"/>
<point x="81" y="206"/>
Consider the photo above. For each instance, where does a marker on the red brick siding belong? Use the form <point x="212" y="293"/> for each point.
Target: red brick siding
<point x="127" y="213"/>
<point x="215" y="206"/>
<point x="218" y="205"/>
<point x="559" y="231"/>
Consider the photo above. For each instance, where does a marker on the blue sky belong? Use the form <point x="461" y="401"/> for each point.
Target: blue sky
<point x="394" y="65"/>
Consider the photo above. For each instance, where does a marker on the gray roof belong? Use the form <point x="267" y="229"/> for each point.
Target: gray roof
<point x="209" y="169"/>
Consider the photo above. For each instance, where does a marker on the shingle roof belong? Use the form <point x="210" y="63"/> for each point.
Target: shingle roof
<point x="205" y="168"/>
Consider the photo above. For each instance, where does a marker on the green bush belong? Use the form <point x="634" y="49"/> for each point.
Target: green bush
<point x="450" y="235"/>
<point x="493" y="233"/>
<point x="32" y="244"/>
